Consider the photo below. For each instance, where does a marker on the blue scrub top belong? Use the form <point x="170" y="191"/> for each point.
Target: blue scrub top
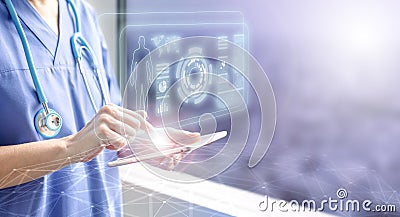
<point x="84" y="189"/>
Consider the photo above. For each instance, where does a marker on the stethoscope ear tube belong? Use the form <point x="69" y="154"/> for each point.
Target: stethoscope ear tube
<point x="78" y="46"/>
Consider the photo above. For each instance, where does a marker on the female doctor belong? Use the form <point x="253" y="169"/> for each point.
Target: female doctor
<point x="63" y="174"/>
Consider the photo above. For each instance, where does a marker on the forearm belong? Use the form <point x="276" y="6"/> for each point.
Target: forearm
<point x="26" y="162"/>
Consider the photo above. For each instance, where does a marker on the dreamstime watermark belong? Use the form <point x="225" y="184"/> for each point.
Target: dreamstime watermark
<point x="340" y="204"/>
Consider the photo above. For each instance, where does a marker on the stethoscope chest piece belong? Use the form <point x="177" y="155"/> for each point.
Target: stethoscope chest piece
<point x="48" y="125"/>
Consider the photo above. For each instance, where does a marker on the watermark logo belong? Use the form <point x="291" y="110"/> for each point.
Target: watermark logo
<point x="341" y="193"/>
<point x="341" y="204"/>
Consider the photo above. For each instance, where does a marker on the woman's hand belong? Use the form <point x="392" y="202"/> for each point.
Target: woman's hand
<point x="159" y="140"/>
<point x="111" y="128"/>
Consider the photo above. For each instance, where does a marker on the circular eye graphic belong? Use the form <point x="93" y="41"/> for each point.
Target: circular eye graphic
<point x="195" y="72"/>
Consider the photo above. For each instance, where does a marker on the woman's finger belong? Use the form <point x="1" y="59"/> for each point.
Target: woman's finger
<point x="123" y="130"/>
<point x="132" y="121"/>
<point x="139" y="115"/>
<point x="116" y="141"/>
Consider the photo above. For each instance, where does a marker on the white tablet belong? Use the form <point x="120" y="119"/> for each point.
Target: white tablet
<point x="204" y="140"/>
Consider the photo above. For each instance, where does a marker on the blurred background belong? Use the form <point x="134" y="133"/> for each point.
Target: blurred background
<point x="334" y="69"/>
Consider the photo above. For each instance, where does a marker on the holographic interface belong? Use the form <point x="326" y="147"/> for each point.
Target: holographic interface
<point x="145" y="35"/>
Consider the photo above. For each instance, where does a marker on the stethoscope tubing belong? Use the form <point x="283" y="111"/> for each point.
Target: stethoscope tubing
<point x="78" y="44"/>
<point x="76" y="15"/>
<point x="28" y="54"/>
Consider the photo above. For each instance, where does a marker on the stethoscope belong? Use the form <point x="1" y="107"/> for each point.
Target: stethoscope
<point x="47" y="121"/>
